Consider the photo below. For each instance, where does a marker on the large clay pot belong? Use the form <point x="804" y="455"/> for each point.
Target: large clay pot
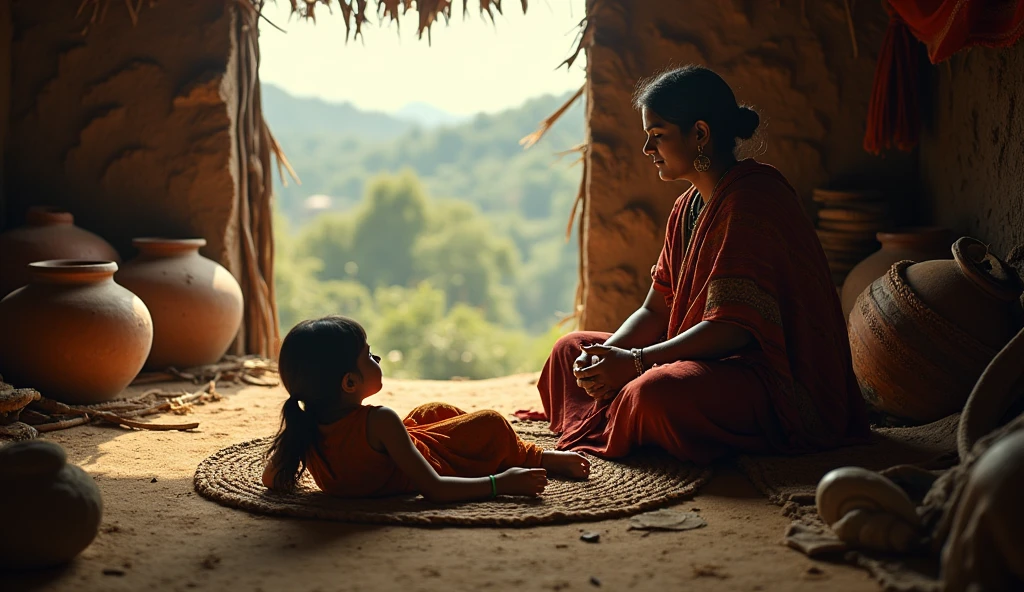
<point x="49" y="233"/>
<point x="922" y="334"/>
<point x="52" y="510"/>
<point x="72" y="333"/>
<point x="196" y="304"/>
<point x="904" y="244"/>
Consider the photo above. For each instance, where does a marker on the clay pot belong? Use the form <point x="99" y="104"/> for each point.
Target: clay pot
<point x="72" y="333"/>
<point x="49" y="233"/>
<point x="912" y="244"/>
<point x="52" y="510"/>
<point x="922" y="334"/>
<point x="196" y="304"/>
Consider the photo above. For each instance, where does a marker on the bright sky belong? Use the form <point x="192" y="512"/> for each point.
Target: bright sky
<point x="470" y="66"/>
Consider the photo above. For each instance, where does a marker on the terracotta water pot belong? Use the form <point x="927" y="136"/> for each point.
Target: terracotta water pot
<point x="922" y="334"/>
<point x="72" y="333"/>
<point x="49" y="233"/>
<point x="196" y="304"/>
<point x="910" y="244"/>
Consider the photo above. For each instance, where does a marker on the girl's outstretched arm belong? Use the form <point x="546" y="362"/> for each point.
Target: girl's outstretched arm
<point x="385" y="430"/>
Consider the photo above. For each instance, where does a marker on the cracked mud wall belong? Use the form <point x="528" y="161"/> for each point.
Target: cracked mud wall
<point x="972" y="146"/>
<point x="797" y="70"/>
<point x="128" y="127"/>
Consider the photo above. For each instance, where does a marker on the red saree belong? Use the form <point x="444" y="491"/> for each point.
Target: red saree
<point x="754" y="261"/>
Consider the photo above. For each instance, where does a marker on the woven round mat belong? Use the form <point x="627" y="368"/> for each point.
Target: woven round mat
<point x="232" y="477"/>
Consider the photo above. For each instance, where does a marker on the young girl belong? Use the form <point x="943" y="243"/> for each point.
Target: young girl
<point x="356" y="450"/>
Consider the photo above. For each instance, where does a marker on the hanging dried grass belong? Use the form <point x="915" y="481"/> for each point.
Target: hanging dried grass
<point x="255" y="146"/>
<point x="356" y="12"/>
<point x="528" y="141"/>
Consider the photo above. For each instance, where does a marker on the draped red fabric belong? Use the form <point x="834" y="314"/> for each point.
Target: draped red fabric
<point x="947" y="26"/>
<point x="753" y="261"/>
<point x="944" y="27"/>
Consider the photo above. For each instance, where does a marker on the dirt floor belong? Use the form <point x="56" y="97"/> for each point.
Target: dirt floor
<point x="158" y="534"/>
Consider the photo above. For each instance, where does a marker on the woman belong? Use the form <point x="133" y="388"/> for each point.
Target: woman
<point x="740" y="345"/>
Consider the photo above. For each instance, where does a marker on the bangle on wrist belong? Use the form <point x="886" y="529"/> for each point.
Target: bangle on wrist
<point x="494" y="486"/>
<point x="638" y="357"/>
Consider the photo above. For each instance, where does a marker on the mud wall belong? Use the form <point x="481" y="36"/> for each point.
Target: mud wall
<point x="972" y="152"/>
<point x="5" y="93"/>
<point x="128" y="126"/>
<point x="795" y="67"/>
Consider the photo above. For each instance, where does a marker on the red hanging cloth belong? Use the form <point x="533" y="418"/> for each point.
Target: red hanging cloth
<point x="945" y="27"/>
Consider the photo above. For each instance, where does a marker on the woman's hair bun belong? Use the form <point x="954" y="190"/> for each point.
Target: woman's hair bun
<point x="747" y="121"/>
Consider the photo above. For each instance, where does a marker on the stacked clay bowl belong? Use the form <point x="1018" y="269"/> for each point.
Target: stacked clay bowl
<point x="922" y="334"/>
<point x="847" y="224"/>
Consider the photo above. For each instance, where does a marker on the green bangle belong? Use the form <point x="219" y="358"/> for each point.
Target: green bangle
<point x="494" y="487"/>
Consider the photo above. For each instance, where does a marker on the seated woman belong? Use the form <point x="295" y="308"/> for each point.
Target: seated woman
<point x="740" y="345"/>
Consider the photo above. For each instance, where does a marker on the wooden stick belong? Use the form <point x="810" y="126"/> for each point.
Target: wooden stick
<point x="62" y="425"/>
<point x="157" y="427"/>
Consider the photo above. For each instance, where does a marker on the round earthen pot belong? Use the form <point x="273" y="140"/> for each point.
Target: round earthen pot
<point x="52" y="509"/>
<point x="72" y="333"/>
<point x="922" y="334"/>
<point x="903" y="244"/>
<point x="196" y="304"/>
<point x="49" y="233"/>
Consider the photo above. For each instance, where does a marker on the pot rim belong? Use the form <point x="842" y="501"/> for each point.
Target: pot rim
<point x="928" y="235"/>
<point x="142" y="241"/>
<point x="72" y="270"/>
<point x="74" y="264"/>
<point x="44" y="215"/>
<point x="987" y="271"/>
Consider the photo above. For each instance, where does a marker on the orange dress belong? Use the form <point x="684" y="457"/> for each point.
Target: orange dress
<point x="455" y="443"/>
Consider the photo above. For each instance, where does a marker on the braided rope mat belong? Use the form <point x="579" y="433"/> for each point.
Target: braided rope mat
<point x="232" y="477"/>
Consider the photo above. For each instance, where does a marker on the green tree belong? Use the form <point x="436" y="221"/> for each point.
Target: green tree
<point x="462" y="255"/>
<point x="328" y="240"/>
<point x="387" y="226"/>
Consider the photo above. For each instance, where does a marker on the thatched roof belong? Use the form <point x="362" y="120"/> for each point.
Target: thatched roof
<point x="355" y="11"/>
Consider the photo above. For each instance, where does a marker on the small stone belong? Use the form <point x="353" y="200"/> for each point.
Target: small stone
<point x="590" y="537"/>
<point x="154" y="480"/>
<point x="595" y="582"/>
<point x="814" y="570"/>
<point x="561" y="546"/>
<point x="695" y="509"/>
<point x="113" y="572"/>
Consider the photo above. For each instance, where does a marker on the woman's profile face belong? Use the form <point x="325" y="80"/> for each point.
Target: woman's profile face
<point x="667" y="147"/>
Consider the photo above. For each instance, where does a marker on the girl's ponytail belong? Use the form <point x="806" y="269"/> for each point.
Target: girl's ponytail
<point x="297" y="436"/>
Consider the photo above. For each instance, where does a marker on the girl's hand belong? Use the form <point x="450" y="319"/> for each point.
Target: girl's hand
<point x="604" y="379"/>
<point x="519" y="481"/>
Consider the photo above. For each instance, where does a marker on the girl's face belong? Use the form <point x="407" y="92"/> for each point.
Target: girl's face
<point x="369" y="368"/>
<point x="672" y="151"/>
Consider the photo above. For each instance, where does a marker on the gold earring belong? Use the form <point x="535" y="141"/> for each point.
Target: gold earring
<point x="702" y="162"/>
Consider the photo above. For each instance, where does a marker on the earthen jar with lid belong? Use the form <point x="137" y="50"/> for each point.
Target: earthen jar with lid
<point x="902" y="244"/>
<point x="72" y="333"/>
<point x="49" y="233"/>
<point x="196" y="303"/>
<point x="922" y="334"/>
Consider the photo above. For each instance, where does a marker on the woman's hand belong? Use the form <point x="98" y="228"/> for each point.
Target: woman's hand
<point x="613" y="369"/>
<point x="519" y="481"/>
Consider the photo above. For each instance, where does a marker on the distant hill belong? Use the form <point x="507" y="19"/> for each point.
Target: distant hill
<point x="428" y="115"/>
<point x="337" y="148"/>
<point x="291" y="115"/>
